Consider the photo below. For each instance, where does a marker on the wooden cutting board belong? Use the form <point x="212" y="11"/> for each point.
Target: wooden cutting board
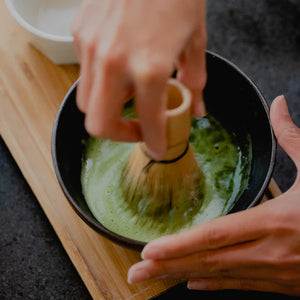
<point x="31" y="90"/>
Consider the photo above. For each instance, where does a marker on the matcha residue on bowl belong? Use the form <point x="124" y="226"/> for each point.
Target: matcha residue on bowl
<point x="225" y="167"/>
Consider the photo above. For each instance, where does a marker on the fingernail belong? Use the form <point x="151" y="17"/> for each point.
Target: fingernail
<point x="136" y="276"/>
<point x="283" y="106"/>
<point x="279" y="98"/>
<point x="196" y="285"/>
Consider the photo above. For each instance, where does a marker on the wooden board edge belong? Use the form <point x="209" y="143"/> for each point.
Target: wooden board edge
<point x="274" y="188"/>
<point x="62" y="234"/>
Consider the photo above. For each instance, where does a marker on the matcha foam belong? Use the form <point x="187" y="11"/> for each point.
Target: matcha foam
<point x="226" y="171"/>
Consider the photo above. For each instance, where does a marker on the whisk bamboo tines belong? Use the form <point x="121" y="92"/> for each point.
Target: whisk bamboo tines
<point x="176" y="182"/>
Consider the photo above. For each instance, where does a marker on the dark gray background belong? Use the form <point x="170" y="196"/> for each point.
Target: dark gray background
<point x="261" y="37"/>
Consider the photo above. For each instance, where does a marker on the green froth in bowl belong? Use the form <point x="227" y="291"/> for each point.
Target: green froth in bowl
<point x="230" y="97"/>
<point x="224" y="165"/>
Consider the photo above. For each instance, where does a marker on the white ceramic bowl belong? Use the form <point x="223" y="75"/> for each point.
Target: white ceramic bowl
<point x="48" y="23"/>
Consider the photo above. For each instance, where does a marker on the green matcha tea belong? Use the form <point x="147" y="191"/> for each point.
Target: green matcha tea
<point x="225" y="168"/>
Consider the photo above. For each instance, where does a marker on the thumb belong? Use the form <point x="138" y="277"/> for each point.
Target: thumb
<point x="287" y="133"/>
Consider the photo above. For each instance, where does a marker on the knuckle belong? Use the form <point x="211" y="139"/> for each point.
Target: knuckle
<point x="157" y="268"/>
<point x="88" y="43"/>
<point x="278" y="258"/>
<point x="276" y="219"/>
<point x="112" y="61"/>
<point x="281" y="221"/>
<point x="97" y="129"/>
<point x="205" y="262"/>
<point x="282" y="258"/>
<point x="214" y="237"/>
<point x="112" y="57"/>
<point x="148" y="73"/>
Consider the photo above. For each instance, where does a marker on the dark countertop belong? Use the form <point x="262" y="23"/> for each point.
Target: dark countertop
<point x="261" y="37"/>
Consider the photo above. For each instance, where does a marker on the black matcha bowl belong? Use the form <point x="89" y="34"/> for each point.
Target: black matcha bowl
<point x="229" y="95"/>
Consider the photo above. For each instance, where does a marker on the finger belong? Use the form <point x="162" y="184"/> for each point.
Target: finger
<point x="150" y="103"/>
<point x="239" y="260"/>
<point x="240" y="284"/>
<point x="192" y="69"/>
<point x="83" y="16"/>
<point x="76" y="28"/>
<point x="287" y="133"/>
<point x="86" y="80"/>
<point x="224" y="231"/>
<point x="87" y="30"/>
<point x="77" y="48"/>
<point x="103" y="117"/>
<point x="85" y="41"/>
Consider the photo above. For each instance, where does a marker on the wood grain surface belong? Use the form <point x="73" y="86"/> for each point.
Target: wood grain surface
<point x="31" y="90"/>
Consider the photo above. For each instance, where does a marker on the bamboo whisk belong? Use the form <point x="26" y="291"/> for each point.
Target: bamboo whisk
<point x="175" y="182"/>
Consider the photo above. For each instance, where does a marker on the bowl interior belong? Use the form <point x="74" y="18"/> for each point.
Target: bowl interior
<point x="229" y="95"/>
<point x="234" y="99"/>
<point x="45" y="17"/>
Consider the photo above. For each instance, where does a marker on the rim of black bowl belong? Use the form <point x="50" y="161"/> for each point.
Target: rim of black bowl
<point x="273" y="139"/>
<point x="96" y="225"/>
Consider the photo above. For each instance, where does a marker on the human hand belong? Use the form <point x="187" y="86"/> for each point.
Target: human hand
<point x="132" y="47"/>
<point x="255" y="249"/>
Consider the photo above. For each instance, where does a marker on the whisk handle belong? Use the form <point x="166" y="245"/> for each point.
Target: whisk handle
<point x="178" y="117"/>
